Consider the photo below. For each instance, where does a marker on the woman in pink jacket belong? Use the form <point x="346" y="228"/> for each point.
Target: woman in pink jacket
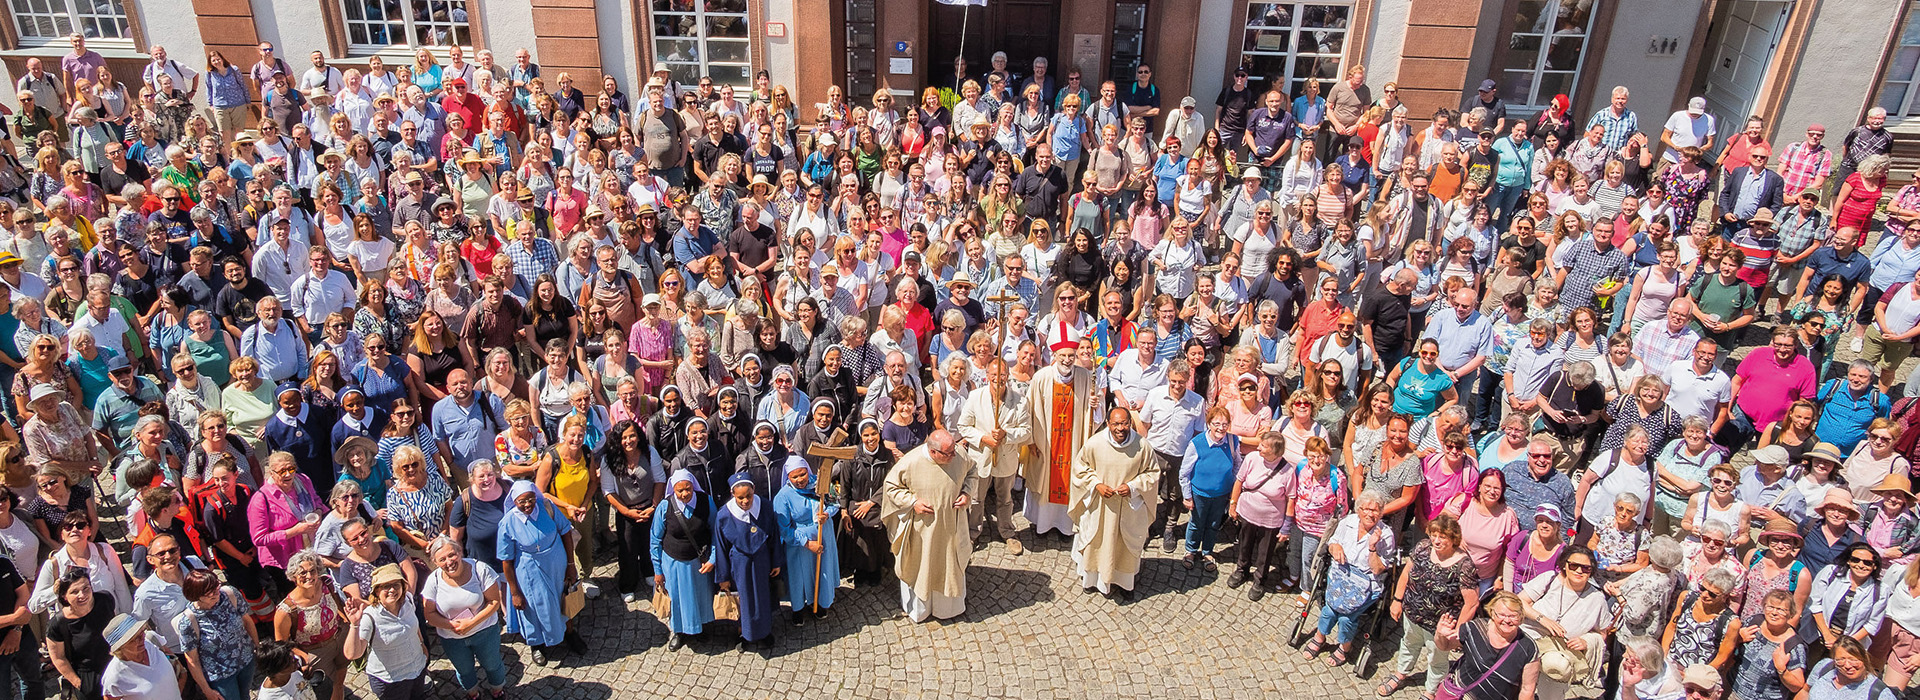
<point x="284" y="513"/>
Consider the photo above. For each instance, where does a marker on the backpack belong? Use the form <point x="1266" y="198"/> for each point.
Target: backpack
<point x="1793" y="570"/>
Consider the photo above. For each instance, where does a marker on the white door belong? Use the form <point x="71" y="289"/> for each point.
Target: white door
<point x="1739" y="63"/>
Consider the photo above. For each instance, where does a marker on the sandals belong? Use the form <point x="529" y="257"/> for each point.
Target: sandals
<point x="1393" y="685"/>
<point x="1338" y="658"/>
<point x="1207" y="563"/>
<point x="1313" y="650"/>
<point x="1189" y="559"/>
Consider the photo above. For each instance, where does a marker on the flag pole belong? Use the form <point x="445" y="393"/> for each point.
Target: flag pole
<point x="965" y="11"/>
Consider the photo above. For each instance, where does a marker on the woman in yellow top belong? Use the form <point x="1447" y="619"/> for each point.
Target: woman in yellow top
<point x="568" y="477"/>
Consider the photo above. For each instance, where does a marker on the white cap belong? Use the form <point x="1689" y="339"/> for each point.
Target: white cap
<point x="1697" y="106"/>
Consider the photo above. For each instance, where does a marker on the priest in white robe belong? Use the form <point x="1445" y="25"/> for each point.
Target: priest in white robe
<point x="995" y="423"/>
<point x="924" y="507"/>
<point x="1114" y="475"/>
<point x="1061" y="398"/>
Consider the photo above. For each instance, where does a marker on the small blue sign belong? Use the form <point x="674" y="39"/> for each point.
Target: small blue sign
<point x="900" y="47"/>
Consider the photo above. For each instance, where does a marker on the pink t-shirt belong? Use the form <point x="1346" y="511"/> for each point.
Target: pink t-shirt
<point x="1441" y="487"/>
<point x="1486" y="537"/>
<point x="1768" y="388"/>
<point x="1264" y="491"/>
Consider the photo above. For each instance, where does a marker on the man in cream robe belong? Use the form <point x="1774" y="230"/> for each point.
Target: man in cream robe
<point x="995" y="424"/>
<point x="924" y="506"/>
<point x="1060" y="397"/>
<point x="1114" y="475"/>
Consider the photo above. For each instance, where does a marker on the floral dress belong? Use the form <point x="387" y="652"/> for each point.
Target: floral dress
<point x="216" y="633"/>
<point x="1684" y="195"/>
<point x="1434" y="590"/>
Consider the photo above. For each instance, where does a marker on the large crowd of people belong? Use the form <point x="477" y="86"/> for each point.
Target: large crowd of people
<point x="310" y="368"/>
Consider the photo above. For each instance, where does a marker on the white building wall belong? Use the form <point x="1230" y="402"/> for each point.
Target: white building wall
<point x="1836" y="79"/>
<point x="508" y="26"/>
<point x="619" y="52"/>
<point x="1388" y="41"/>
<point x="1653" y="80"/>
<point x="1210" y="74"/>
<point x="783" y="65"/>
<point x="293" y="27"/>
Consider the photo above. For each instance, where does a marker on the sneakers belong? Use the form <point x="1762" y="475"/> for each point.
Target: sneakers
<point x="629" y="598"/>
<point x="591" y="589"/>
<point x="1169" y="544"/>
<point x="1015" y="548"/>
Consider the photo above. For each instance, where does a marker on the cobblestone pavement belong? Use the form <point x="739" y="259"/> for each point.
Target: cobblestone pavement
<point x="1029" y="632"/>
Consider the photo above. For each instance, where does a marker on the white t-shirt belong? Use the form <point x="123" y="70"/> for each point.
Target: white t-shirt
<point x="1617" y="476"/>
<point x="1903" y="311"/>
<point x="1687" y="131"/>
<point x="373" y="255"/>
<point x="150" y="681"/>
<point x="1353" y="358"/>
<point x="18" y="543"/>
<point x="460" y="602"/>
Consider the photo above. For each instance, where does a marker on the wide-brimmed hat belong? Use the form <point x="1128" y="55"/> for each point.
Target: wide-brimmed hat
<point x="760" y="183"/>
<point x="1895" y="483"/>
<point x="1839" y="498"/>
<point x="471" y="156"/>
<point x="8" y="258"/>
<point x="960" y="279"/>
<point x="318" y="95"/>
<point x="1763" y="216"/>
<point x="1779" y="528"/>
<point x="123" y="629"/>
<point x="388" y="574"/>
<point x="348" y="446"/>
<point x="1825" y="451"/>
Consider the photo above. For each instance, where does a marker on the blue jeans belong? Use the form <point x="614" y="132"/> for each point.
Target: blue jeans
<point x="484" y="647"/>
<point x="238" y="686"/>
<point x="1505" y="198"/>
<point x="1208" y="512"/>
<point x="1343" y="627"/>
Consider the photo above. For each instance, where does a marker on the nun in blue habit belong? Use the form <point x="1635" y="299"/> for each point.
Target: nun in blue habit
<point x="747" y="556"/>
<point x="533" y="547"/>
<point x="798" y="508"/>
<point x="683" y="556"/>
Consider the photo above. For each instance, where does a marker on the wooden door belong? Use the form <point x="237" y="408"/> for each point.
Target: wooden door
<point x="1022" y="28"/>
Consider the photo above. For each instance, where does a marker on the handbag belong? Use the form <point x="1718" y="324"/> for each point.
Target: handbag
<point x="662" y="603"/>
<point x="1349" y="591"/>
<point x="1450" y="688"/>
<point x="574" y="602"/>
<point x="726" y="606"/>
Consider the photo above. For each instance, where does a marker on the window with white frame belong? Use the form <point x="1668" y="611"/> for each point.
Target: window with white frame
<point x="1900" y="88"/>
<point x="1546" y="50"/>
<point x="377" y="25"/>
<point x="1295" y="42"/>
<point x="44" y="21"/>
<point x="703" y="38"/>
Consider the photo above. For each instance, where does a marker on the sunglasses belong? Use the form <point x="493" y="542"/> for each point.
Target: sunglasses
<point x="1713" y="541"/>
<point x="1862" y="562"/>
<point x="1579" y="568"/>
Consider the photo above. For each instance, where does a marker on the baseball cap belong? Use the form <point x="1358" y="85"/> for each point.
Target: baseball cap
<point x="457" y="82"/>
<point x="1188" y="101"/>
<point x="117" y="363"/>
<point x="1488" y="85"/>
<point x="1549" y="511"/>
<point x="1701" y="676"/>
<point x="1697" y="106"/>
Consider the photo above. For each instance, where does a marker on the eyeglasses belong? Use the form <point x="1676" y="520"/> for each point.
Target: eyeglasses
<point x="1862" y="562"/>
<point x="1713" y="541"/>
<point x="1879" y="438"/>
<point x="1429" y="353"/>
<point x="1721" y="482"/>
<point x="403" y="412"/>
<point x="1531" y="455"/>
<point x="163" y="553"/>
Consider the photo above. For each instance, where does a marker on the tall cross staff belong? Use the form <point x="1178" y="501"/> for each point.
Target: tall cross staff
<point x="1000" y="301"/>
<point x="829" y="453"/>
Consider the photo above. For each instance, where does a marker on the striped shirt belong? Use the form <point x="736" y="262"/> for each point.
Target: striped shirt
<point x="1619" y="128"/>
